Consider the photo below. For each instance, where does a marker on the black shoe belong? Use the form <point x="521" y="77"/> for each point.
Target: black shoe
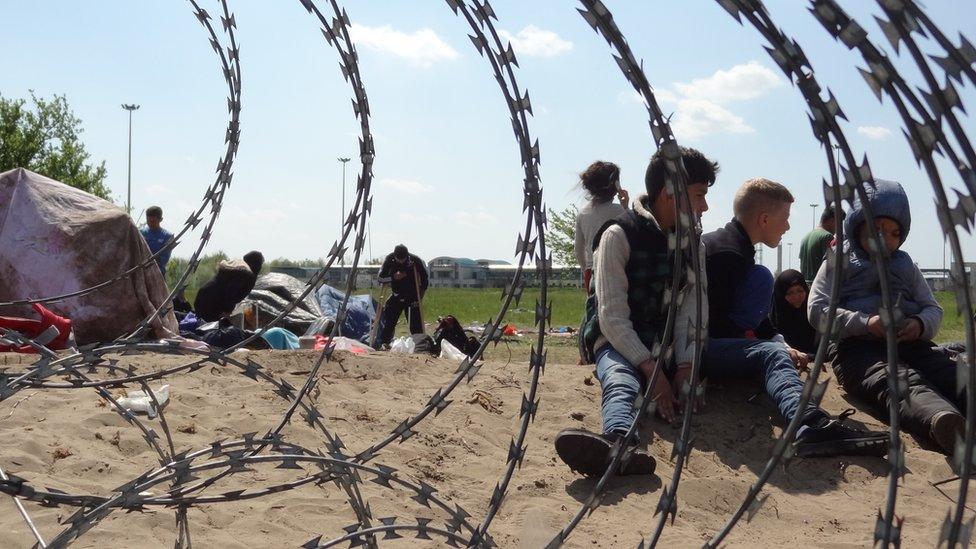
<point x="640" y="462"/>
<point x="946" y="427"/>
<point x="832" y="438"/>
<point x="589" y="454"/>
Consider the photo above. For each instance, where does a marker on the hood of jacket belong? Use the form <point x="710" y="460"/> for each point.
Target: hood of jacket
<point x="887" y="199"/>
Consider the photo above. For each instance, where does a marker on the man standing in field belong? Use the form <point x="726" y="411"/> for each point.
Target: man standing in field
<point x="407" y="276"/>
<point x="814" y="246"/>
<point x="157" y="237"/>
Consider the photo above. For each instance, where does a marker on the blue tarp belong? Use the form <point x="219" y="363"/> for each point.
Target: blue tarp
<point x="360" y="311"/>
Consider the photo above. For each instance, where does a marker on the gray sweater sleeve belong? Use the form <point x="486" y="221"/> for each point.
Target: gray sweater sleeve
<point x="579" y="246"/>
<point x="609" y="271"/>
<point x="931" y="313"/>
<point x="852" y="323"/>
<point x="684" y="328"/>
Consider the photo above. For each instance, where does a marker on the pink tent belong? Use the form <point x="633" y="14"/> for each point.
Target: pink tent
<point x="55" y="239"/>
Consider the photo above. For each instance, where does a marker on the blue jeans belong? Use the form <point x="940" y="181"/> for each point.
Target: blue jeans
<point x="621" y="382"/>
<point x="731" y="358"/>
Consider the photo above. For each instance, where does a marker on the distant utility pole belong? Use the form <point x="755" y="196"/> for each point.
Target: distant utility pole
<point x="128" y="194"/>
<point x="789" y="246"/>
<point x="342" y="213"/>
<point x="814" y="206"/>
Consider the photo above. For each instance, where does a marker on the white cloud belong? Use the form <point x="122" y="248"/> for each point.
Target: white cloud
<point x="739" y="83"/>
<point x="664" y="95"/>
<point x="421" y="48"/>
<point x="699" y="106"/>
<point x="874" y="132"/>
<point x="535" y="42"/>
<point x="406" y="186"/>
<point x="696" y="118"/>
<point x="475" y="220"/>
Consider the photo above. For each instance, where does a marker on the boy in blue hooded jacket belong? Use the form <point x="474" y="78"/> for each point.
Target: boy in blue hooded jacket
<point x="933" y="407"/>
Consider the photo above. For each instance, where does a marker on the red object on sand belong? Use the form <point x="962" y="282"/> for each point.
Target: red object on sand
<point x="31" y="328"/>
<point x="509" y="330"/>
<point x="321" y="340"/>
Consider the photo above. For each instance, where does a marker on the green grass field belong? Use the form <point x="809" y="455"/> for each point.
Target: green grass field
<point x="953" y="324"/>
<point x="472" y="306"/>
<point x="479" y="305"/>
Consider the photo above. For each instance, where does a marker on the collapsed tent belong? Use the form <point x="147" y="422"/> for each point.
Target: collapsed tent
<point x="273" y="292"/>
<point x="271" y="295"/>
<point x="57" y="240"/>
<point x="360" y="311"/>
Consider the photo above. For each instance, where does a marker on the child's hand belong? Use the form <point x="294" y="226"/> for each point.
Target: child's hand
<point x="661" y="393"/>
<point x="910" y="330"/>
<point x="682" y="376"/>
<point x="800" y="359"/>
<point x="875" y="328"/>
<point x="624" y="197"/>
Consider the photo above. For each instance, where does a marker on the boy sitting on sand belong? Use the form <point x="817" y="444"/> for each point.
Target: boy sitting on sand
<point x="745" y="345"/>
<point x="930" y="407"/>
<point x="626" y="316"/>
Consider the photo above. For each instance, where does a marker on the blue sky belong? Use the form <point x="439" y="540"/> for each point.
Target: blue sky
<point x="447" y="174"/>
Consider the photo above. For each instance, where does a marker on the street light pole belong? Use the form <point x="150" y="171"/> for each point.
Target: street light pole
<point x="789" y="246"/>
<point x="128" y="194"/>
<point x="814" y="206"/>
<point x="342" y="258"/>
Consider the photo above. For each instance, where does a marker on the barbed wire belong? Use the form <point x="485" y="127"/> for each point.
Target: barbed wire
<point x="213" y="197"/>
<point x="942" y="102"/>
<point x="98" y="366"/>
<point x="685" y="250"/>
<point x="790" y="58"/>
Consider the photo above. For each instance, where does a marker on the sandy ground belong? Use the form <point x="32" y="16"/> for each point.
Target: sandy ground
<point x="68" y="440"/>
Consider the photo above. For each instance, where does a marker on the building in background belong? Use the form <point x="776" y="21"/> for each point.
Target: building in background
<point x="448" y="272"/>
<point x="457" y="272"/>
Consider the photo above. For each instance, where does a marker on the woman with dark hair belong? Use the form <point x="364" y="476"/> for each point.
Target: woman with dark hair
<point x="601" y="181"/>
<point x="789" y="312"/>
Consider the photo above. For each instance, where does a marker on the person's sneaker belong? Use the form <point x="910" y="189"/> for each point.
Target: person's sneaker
<point x="833" y="438"/>
<point x="946" y="426"/>
<point x="589" y="454"/>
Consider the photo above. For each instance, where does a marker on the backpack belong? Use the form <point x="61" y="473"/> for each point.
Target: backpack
<point x="450" y="329"/>
<point x="424" y="344"/>
<point x="589" y="331"/>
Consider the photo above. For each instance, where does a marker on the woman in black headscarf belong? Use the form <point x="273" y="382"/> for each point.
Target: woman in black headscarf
<point x="789" y="313"/>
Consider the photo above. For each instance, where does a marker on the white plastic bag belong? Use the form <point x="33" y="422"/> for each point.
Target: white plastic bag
<point x="403" y="346"/>
<point x="451" y="352"/>
<point x="345" y="344"/>
<point x="141" y="402"/>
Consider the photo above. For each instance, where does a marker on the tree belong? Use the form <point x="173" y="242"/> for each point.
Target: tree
<point x="206" y="269"/>
<point x="44" y="137"/>
<point x="561" y="236"/>
<point x="285" y="262"/>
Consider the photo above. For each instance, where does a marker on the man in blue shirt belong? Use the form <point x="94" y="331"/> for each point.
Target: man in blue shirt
<point x="157" y="237"/>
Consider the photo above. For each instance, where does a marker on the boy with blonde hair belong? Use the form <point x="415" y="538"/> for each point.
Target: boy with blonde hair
<point x="743" y="342"/>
